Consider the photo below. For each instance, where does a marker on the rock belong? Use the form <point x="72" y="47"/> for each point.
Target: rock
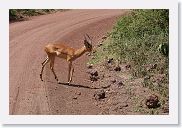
<point x="102" y="76"/>
<point x="154" y="66"/>
<point x="104" y="49"/>
<point x="105" y="86"/>
<point x="94" y="78"/>
<point x="110" y="60"/>
<point x="104" y="37"/>
<point x="88" y="71"/>
<point x="123" y="106"/>
<point x="78" y="93"/>
<point x="92" y="57"/>
<point x="90" y="66"/>
<point x="93" y="51"/>
<point x="152" y="101"/>
<point x="158" y="78"/>
<point x="94" y="73"/>
<point x="165" y="109"/>
<point x="117" y="68"/>
<point x="100" y="94"/>
<point x="120" y="83"/>
<point x="75" y="97"/>
<point x="113" y="81"/>
<point x="108" y="90"/>
<point x="151" y="66"/>
<point x="88" y="54"/>
<point x="146" y="78"/>
<point x="109" y="64"/>
<point x="128" y="66"/>
<point x="100" y="44"/>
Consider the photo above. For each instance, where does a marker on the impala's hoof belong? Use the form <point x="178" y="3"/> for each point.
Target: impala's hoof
<point x="68" y="83"/>
<point x="41" y="77"/>
<point x="59" y="82"/>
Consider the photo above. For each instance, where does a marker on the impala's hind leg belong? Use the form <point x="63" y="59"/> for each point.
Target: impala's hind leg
<point x="52" y="58"/>
<point x="43" y="65"/>
<point x="45" y="60"/>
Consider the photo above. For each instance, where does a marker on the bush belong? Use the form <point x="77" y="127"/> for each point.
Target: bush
<point x="22" y="14"/>
<point x="12" y="14"/>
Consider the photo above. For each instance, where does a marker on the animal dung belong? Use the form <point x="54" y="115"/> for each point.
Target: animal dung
<point x="152" y="101"/>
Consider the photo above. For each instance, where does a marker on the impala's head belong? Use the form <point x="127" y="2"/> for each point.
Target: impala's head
<point x="88" y="43"/>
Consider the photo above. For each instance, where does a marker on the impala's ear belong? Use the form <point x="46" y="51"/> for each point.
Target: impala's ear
<point x="88" y="45"/>
<point x="87" y="36"/>
<point x="88" y="39"/>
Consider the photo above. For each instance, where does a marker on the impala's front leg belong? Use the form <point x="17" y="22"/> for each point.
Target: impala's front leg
<point x="72" y="70"/>
<point x="69" y="72"/>
<point x="52" y="68"/>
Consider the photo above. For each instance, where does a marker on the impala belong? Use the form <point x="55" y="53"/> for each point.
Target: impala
<point x="67" y="53"/>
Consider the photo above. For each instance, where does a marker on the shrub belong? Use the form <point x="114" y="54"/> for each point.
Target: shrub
<point x="22" y="14"/>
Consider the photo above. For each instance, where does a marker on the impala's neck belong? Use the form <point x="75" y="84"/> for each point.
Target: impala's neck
<point x="80" y="52"/>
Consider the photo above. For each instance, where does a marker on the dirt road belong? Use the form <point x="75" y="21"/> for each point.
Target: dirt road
<point x="28" y="94"/>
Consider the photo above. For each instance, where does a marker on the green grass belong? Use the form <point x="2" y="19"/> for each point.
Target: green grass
<point x="22" y="14"/>
<point x="140" y="38"/>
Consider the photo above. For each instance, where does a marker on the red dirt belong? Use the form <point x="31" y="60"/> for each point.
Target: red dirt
<point x="28" y="94"/>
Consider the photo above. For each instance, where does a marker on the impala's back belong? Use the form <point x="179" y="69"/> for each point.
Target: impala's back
<point x="60" y="50"/>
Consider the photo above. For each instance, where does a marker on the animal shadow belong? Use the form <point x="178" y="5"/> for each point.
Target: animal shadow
<point x="80" y="86"/>
<point x="77" y="85"/>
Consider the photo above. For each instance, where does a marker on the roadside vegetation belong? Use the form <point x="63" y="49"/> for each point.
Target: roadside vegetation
<point x="141" y="39"/>
<point x="24" y="14"/>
